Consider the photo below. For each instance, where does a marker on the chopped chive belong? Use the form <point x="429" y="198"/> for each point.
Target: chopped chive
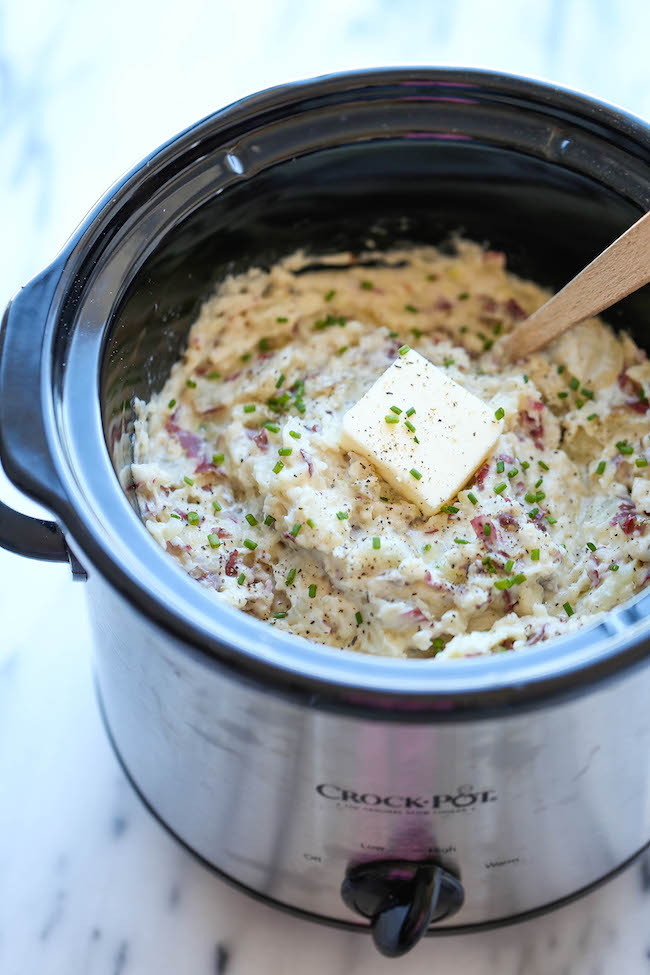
<point x="216" y="506"/>
<point x="291" y="575"/>
<point x="218" y="458"/>
<point x="613" y="567"/>
<point x="624" y="447"/>
<point x="502" y="584"/>
<point x="174" y="515"/>
<point x="500" y="488"/>
<point x="525" y="379"/>
<point x="601" y="467"/>
<point x="537" y="483"/>
<point x="568" y="609"/>
<point x="544" y="466"/>
<point x="391" y="419"/>
<point x="190" y="383"/>
<point x="591" y="546"/>
<point x="359" y="618"/>
<point x="533" y="513"/>
<point x="245" y="357"/>
<point x="535" y="555"/>
<point x="342" y="515"/>
<point x="366" y="285"/>
<point x="249" y="544"/>
<point x="488" y="345"/>
<point x="300" y="406"/>
<point x="563" y="394"/>
<point x="281" y="379"/>
<point x="271" y="427"/>
<point x="410" y="308"/>
<point x="269" y="520"/>
<point x="579" y="404"/>
<point x="518" y="579"/>
<point x="472" y="497"/>
<point x="252" y="520"/>
<point x="282" y="319"/>
<point x="383" y="499"/>
<point x="296" y="436"/>
<point x="410" y="411"/>
<point x="263" y="345"/>
<point x="415" y="474"/>
<point x="403" y="349"/>
<point x="463" y="296"/>
<point x="250" y="408"/>
<point x="592" y="416"/>
<point x="500" y="466"/>
<point x="588" y="393"/>
<point x="641" y="462"/>
<point x="296" y="528"/>
<point x="487" y="530"/>
<point x="450" y="509"/>
<point x="241" y="579"/>
<point x="312" y="590"/>
<point x="330" y="295"/>
<point x="513" y="473"/>
<point x="285" y="451"/>
<point x="416" y="333"/>
<point x="448" y="362"/>
<point x="189" y="480"/>
<point x="496" y="328"/>
<point x="376" y="542"/>
<point x="551" y="520"/>
<point x="214" y="540"/>
<point x="171" y="404"/>
<point x="312" y="524"/>
<point x="278" y="467"/>
<point x="393" y="335"/>
<point x="461" y="541"/>
<point x="574" y="383"/>
<point x="525" y="465"/>
<point x="508" y="567"/>
<point x="213" y="375"/>
<point x="500" y="413"/>
<point x="409" y="426"/>
<point x="342" y="350"/>
<point x="279" y="616"/>
<point x="426" y="548"/>
<point x="395" y="409"/>
<point x="415" y="440"/>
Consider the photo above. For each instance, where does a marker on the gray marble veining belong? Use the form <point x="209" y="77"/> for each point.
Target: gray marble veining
<point x="90" y="884"/>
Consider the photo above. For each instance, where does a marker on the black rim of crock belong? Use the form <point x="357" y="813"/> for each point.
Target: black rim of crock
<point x="252" y="648"/>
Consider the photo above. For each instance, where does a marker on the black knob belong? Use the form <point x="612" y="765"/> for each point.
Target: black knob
<point x="401" y="898"/>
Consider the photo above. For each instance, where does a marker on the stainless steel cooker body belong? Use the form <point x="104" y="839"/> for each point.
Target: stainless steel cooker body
<point x="413" y="795"/>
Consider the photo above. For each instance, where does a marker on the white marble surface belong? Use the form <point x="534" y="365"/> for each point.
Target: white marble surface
<point x="89" y="883"/>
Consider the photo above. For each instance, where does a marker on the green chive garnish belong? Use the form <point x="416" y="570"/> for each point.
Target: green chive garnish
<point x="366" y="285"/>
<point x="213" y="375"/>
<point x="535" y="555"/>
<point x="500" y="413"/>
<point x="296" y="528"/>
<point x="241" y="579"/>
<point x="278" y="467"/>
<point x="245" y="357"/>
<point x="342" y="350"/>
<point x="601" y="467"/>
<point x="592" y="416"/>
<point x="500" y="466"/>
<point x="403" y="349"/>
<point x="376" y="542"/>
<point x="448" y="362"/>
<point x="415" y="474"/>
<point x="269" y="520"/>
<point x="249" y="544"/>
<point x="410" y="411"/>
<point x="285" y="451"/>
<point x="472" y="497"/>
<point x="461" y="541"/>
<point x="188" y="480"/>
<point x="410" y="308"/>
<point x="409" y="426"/>
<point x="279" y="616"/>
<point x="463" y="296"/>
<point x="190" y="383"/>
<point x="291" y="575"/>
<point x="173" y="515"/>
<point x="551" y="520"/>
<point x="513" y="473"/>
<point x="508" y="567"/>
<point x="312" y="524"/>
<point x="590" y="545"/>
<point x="563" y="394"/>
<point x="250" y="408"/>
<point x="252" y="520"/>
<point x="281" y="379"/>
<point x="487" y="530"/>
<point x="391" y="419"/>
<point x="544" y="466"/>
<point x="216" y="506"/>
<point x="500" y="488"/>
<point x="214" y="541"/>
<point x="517" y="580"/>
<point x="537" y="483"/>
<point x="383" y="499"/>
<point x="171" y="404"/>
<point x="282" y="319"/>
<point x="589" y="393"/>
<point x="218" y="458"/>
<point x="560" y="369"/>
<point x="641" y="462"/>
<point x="359" y="618"/>
<point x="568" y="609"/>
<point x="613" y="567"/>
<point x="342" y="515"/>
<point x="312" y="590"/>
<point x="330" y="295"/>
<point x="574" y="383"/>
<point x="395" y="409"/>
<point x="502" y="584"/>
<point x="624" y="447"/>
<point x="263" y="345"/>
<point x="450" y="509"/>
<point x="271" y="427"/>
<point x="525" y="465"/>
<point x="296" y="436"/>
<point x="533" y="513"/>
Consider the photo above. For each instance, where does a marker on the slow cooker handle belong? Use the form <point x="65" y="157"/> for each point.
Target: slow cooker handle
<point x="24" y="453"/>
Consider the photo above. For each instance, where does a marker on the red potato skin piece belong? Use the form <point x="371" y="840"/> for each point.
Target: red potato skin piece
<point x="231" y="564"/>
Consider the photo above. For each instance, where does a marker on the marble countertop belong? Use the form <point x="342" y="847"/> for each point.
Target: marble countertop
<point x="90" y="884"/>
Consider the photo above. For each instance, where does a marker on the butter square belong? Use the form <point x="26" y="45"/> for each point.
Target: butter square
<point x="455" y="429"/>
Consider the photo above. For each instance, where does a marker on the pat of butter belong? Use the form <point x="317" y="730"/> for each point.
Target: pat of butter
<point x="455" y="429"/>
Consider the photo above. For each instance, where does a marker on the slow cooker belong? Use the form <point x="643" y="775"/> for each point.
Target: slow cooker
<point x="398" y="796"/>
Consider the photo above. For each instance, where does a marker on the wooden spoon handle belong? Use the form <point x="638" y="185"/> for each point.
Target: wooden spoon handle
<point x="619" y="270"/>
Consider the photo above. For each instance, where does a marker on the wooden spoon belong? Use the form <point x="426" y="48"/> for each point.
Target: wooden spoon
<point x="617" y="272"/>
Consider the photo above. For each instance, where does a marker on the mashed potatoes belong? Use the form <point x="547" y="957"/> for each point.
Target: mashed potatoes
<point x="240" y="475"/>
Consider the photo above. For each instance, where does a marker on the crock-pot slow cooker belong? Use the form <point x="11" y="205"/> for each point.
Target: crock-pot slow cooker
<point x="401" y="796"/>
